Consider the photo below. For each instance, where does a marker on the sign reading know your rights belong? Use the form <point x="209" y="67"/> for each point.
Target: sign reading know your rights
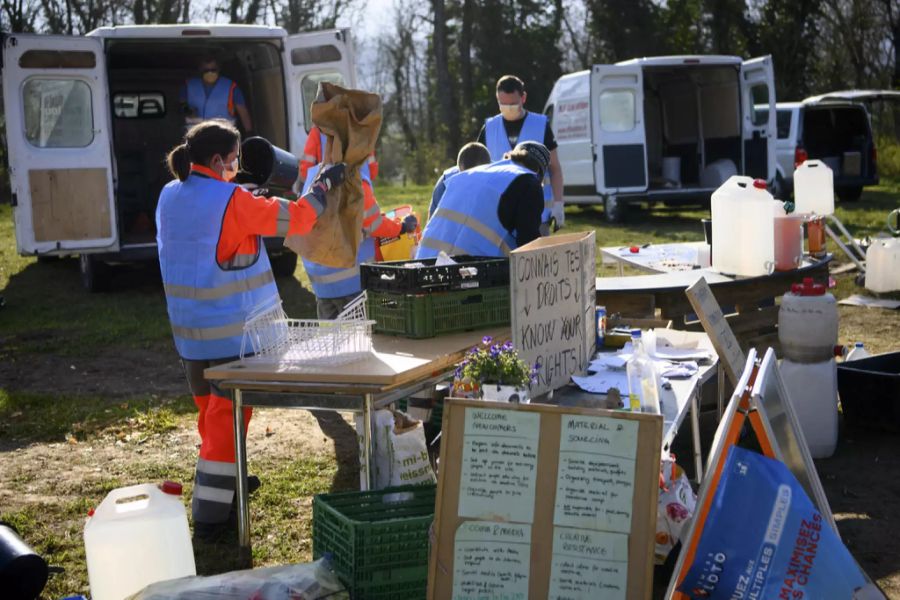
<point x="553" y="287"/>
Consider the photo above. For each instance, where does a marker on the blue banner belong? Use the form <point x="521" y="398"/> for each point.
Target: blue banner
<point x="764" y="538"/>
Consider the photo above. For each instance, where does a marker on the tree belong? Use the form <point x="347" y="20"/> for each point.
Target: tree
<point x="20" y="15"/>
<point x="447" y="99"/>
<point x="788" y="30"/>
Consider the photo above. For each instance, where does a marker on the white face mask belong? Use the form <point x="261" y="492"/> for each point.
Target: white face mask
<point x="511" y="112"/>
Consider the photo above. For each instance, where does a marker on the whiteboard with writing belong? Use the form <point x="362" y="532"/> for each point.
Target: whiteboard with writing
<point x="552" y="284"/>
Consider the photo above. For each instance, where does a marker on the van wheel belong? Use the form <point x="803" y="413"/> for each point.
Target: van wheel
<point x="284" y="264"/>
<point x="613" y="209"/>
<point x="850" y="194"/>
<point x="96" y="275"/>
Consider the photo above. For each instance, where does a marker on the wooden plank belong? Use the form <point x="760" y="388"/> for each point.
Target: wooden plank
<point x="629" y="305"/>
<point x="715" y="325"/>
<point x="394" y="361"/>
<point x="69" y="204"/>
<point x="644" y="498"/>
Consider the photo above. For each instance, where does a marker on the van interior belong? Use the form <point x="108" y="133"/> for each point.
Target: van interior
<point x="692" y="120"/>
<point x="839" y="136"/>
<point x="145" y="83"/>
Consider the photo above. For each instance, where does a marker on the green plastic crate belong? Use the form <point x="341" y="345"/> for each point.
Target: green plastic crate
<point x="378" y="540"/>
<point x="428" y="315"/>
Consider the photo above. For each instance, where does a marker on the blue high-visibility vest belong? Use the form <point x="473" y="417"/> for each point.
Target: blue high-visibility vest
<point x="207" y="302"/>
<point x="497" y="143"/>
<point x="218" y="104"/>
<point x="329" y="282"/>
<point x="439" y="188"/>
<point x="466" y="220"/>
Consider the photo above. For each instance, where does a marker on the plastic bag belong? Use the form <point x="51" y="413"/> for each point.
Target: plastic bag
<point x="677" y="502"/>
<point x="310" y="581"/>
<point x="764" y="538"/>
<point x="381" y="460"/>
<point x="410" y="463"/>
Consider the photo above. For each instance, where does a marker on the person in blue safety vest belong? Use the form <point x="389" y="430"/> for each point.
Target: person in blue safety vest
<point x="213" y="96"/>
<point x="335" y="288"/>
<point x="471" y="155"/>
<point x="215" y="273"/>
<point x="492" y="209"/>
<point x="513" y="125"/>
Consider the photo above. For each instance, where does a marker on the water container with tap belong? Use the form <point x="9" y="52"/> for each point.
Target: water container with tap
<point x="137" y="536"/>
<point x="788" y="239"/>
<point x="743" y="228"/>
<point x="808" y="323"/>
<point x="813" y="188"/>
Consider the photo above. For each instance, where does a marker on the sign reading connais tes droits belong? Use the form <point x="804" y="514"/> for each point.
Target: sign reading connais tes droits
<point x="552" y="282"/>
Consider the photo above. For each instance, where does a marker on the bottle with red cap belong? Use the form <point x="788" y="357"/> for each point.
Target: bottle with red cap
<point x="137" y="536"/>
<point x="743" y="228"/>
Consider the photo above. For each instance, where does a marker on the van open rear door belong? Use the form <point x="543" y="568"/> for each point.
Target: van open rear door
<point x="617" y="122"/>
<point x="57" y="127"/>
<point x="311" y="58"/>
<point x="758" y="123"/>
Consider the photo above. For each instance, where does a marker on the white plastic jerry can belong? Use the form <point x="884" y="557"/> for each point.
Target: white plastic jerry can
<point x="743" y="228"/>
<point x="883" y="265"/>
<point x="137" y="536"/>
<point x="813" y="189"/>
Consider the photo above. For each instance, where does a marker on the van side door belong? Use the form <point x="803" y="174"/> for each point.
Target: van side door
<point x="758" y="123"/>
<point x="617" y="123"/>
<point x="57" y="128"/>
<point x="311" y="58"/>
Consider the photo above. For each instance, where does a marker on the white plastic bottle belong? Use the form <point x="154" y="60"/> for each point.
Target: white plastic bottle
<point x="137" y="536"/>
<point x="857" y="352"/>
<point x="643" y="384"/>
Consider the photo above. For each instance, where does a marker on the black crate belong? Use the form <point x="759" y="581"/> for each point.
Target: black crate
<point x="870" y="391"/>
<point x="470" y="272"/>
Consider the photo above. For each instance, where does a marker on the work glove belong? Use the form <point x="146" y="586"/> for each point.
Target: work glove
<point x="409" y="224"/>
<point x="330" y="177"/>
<point x="558" y="214"/>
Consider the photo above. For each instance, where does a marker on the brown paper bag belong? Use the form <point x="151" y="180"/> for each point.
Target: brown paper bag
<point x="351" y="121"/>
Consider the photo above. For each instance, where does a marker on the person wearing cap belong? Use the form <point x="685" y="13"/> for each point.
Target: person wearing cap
<point x="212" y="96"/>
<point x="492" y="209"/>
<point x="471" y="155"/>
<point x="513" y="125"/>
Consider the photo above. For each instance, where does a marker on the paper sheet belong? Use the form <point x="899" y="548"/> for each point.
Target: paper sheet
<point x="595" y="480"/>
<point x="491" y="561"/>
<point x="499" y="465"/>
<point x="588" y="565"/>
<point x="868" y="302"/>
<point x="602" y="381"/>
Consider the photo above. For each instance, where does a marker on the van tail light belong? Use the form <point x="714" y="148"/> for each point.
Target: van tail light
<point x="800" y="156"/>
<point x="873" y="154"/>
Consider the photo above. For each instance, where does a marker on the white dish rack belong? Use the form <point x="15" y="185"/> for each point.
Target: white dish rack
<point x="270" y="334"/>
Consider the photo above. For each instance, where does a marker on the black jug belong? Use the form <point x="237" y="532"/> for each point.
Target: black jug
<point x="23" y="574"/>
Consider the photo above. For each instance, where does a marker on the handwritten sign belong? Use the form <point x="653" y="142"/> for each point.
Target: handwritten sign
<point x="553" y="299"/>
<point x="491" y="561"/>
<point x="588" y="565"/>
<point x="595" y="480"/>
<point x="499" y="465"/>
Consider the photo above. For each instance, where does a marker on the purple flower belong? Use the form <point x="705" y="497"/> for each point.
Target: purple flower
<point x="508" y="346"/>
<point x="486" y="340"/>
<point x="495" y="351"/>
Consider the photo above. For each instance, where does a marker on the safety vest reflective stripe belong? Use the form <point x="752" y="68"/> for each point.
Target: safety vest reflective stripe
<point x="371" y="211"/>
<point x="309" y="158"/>
<point x="479" y="227"/>
<point x="284" y="217"/>
<point x="374" y="225"/>
<point x="209" y="333"/>
<point x="336" y="276"/>
<point x="215" y="467"/>
<point x="438" y="245"/>
<point x="216" y="293"/>
<point x="240" y="261"/>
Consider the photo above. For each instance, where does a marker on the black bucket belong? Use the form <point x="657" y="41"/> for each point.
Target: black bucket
<point x="268" y="166"/>
<point x="23" y="574"/>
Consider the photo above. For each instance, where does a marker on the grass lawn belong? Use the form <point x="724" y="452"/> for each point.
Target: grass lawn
<point x="92" y="397"/>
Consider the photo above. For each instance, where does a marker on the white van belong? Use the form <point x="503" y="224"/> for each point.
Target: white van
<point x="668" y="128"/>
<point x="90" y="119"/>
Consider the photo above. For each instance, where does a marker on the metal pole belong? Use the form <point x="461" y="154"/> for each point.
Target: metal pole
<point x="695" y="434"/>
<point x="240" y="458"/>
<point x="369" y="439"/>
<point x="840" y="244"/>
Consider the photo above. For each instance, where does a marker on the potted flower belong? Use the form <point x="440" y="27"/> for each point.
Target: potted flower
<point x="494" y="372"/>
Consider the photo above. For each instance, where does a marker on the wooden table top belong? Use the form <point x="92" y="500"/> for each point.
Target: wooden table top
<point x="393" y="361"/>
